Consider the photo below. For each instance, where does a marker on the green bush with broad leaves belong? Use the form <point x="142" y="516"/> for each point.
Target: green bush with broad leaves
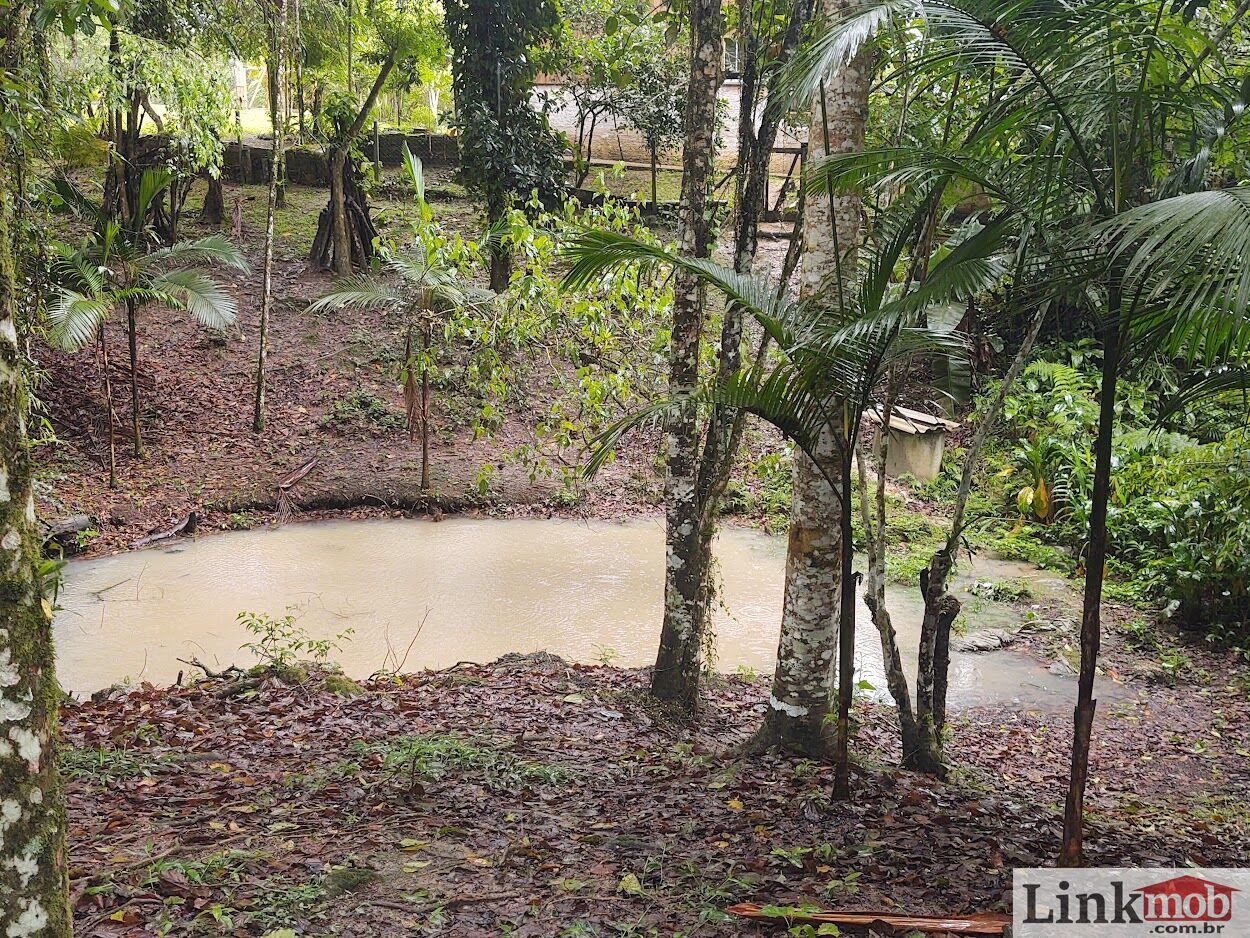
<point x="1179" y="516"/>
<point x="1181" y="525"/>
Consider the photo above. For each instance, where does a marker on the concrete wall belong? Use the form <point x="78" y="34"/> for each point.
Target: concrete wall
<point x="915" y="454"/>
<point x="614" y="142"/>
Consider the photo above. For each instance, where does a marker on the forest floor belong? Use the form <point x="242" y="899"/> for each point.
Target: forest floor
<point x="531" y="797"/>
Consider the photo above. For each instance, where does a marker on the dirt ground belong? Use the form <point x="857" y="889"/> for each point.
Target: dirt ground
<point x="530" y="797"/>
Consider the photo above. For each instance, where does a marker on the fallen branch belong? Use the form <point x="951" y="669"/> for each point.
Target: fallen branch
<point x="295" y="475"/>
<point x="286" y="507"/>
<point x="186" y="526"/>
<point x="229" y="671"/>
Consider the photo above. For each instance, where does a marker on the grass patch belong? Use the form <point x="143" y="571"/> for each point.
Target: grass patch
<point x="363" y="408"/>
<point x="1023" y="546"/>
<point x="438" y="756"/>
<point x="102" y="766"/>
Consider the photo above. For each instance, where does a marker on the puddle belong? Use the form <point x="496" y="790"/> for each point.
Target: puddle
<point x="431" y="594"/>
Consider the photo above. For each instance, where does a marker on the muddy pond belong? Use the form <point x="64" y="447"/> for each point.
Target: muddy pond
<point x="422" y="594"/>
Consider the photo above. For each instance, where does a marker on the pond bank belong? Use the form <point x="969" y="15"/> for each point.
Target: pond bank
<point x="544" y="799"/>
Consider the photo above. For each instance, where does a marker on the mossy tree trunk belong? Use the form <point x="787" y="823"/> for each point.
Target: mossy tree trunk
<point x="34" y="887"/>
<point x="678" y="663"/>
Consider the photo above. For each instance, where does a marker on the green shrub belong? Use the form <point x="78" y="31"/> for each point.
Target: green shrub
<point x="363" y="408"/>
<point x="1179" y="517"/>
<point x="1180" y="528"/>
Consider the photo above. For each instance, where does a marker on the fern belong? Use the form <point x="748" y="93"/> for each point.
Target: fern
<point x="1061" y="378"/>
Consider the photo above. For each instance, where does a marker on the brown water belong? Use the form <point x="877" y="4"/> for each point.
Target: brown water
<point x="471" y="590"/>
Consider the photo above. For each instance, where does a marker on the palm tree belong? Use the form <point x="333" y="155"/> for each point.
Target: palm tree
<point x="111" y="269"/>
<point x="421" y="289"/>
<point x="834" y="358"/>
<point x="1094" y="140"/>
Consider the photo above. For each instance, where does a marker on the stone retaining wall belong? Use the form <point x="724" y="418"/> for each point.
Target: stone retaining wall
<point x="306" y="166"/>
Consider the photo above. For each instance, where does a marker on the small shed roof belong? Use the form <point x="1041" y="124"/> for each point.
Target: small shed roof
<point x="912" y="421"/>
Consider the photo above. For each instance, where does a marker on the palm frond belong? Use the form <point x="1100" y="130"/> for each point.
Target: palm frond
<point x="1206" y="385"/>
<point x="363" y="290"/>
<point x="815" y="61"/>
<point x="74" y="269"/>
<point x="419" y="271"/>
<point x="1185" y="258"/>
<point x="415" y="173"/>
<point x="152" y="183"/>
<point x="781" y="396"/>
<point x="76" y="200"/>
<point x="974" y="264"/>
<point x="198" y="293"/>
<point x="594" y="252"/>
<point x="74" y="320"/>
<point x="891" y="167"/>
<point x="214" y="249"/>
<point x="603" y="446"/>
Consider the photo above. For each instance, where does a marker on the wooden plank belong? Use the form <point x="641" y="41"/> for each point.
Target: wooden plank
<point x="985" y="923"/>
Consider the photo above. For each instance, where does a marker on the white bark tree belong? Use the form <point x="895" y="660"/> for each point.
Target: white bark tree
<point x="33" y="885"/>
<point x="802" y="698"/>
<point x="678" y="662"/>
<point x="277" y="61"/>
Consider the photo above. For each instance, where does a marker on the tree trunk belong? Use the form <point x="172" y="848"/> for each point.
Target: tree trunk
<point x="655" y="182"/>
<point x="276" y="58"/>
<point x="678" y="663"/>
<point x="109" y="414"/>
<point x="425" y="407"/>
<point x="802" y="685"/>
<point x="132" y="337"/>
<point x="345" y="231"/>
<point x="214" y="202"/>
<point x="299" y="73"/>
<point x="874" y="523"/>
<point x="342" y="262"/>
<point x="34" y="884"/>
<point x="500" y="266"/>
<point x="500" y="258"/>
<point x="345" y="244"/>
<point x="724" y="430"/>
<point x="924" y="752"/>
<point x="1095" y="561"/>
<point x="500" y="270"/>
<point x="801" y="703"/>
